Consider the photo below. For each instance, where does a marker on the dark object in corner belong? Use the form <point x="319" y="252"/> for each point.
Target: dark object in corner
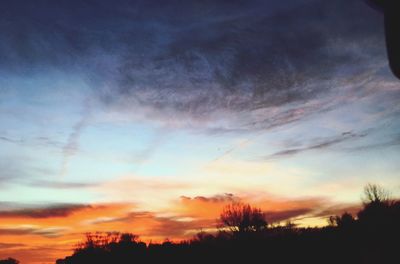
<point x="391" y="9"/>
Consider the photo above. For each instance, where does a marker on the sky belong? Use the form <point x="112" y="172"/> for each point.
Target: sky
<point x="150" y="116"/>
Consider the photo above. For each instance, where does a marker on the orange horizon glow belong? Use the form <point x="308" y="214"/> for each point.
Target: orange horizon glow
<point x="57" y="235"/>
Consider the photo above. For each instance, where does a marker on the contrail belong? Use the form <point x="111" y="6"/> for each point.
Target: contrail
<point x="72" y="145"/>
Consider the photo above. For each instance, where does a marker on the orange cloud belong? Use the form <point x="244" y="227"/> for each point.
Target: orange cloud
<point x="339" y="210"/>
<point x="203" y="207"/>
<point x="276" y="209"/>
<point x="40" y="235"/>
<point x="46" y="212"/>
<point x="51" y="230"/>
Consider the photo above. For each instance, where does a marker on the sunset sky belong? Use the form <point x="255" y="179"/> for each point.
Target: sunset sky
<point x="149" y="116"/>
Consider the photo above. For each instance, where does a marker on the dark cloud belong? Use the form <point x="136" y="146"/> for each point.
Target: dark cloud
<point x="196" y="60"/>
<point x="11" y="140"/>
<point x="339" y="210"/>
<point x="284" y="215"/>
<point x="320" y="143"/>
<point x="61" y="184"/>
<point x="383" y="143"/>
<point x="228" y="197"/>
<point x="43" y="212"/>
<point x="42" y="141"/>
<point x="46" y="232"/>
<point x="168" y="227"/>
<point x="173" y="227"/>
<point x="4" y="246"/>
<point x="128" y="217"/>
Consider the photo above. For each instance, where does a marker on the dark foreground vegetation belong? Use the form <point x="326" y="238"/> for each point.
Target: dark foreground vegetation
<point x="245" y="237"/>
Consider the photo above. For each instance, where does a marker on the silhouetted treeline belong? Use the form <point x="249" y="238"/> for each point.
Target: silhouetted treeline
<point x="372" y="236"/>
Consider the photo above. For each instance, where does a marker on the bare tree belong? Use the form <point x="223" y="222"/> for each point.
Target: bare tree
<point x="374" y="193"/>
<point x="242" y="218"/>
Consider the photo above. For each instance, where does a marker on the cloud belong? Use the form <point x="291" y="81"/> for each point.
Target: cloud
<point x="180" y="220"/>
<point x="180" y="228"/>
<point x="71" y="147"/>
<point x="203" y="207"/>
<point x="36" y="254"/>
<point x="188" y="215"/>
<point x="49" y="232"/>
<point x="228" y="197"/>
<point x="276" y="209"/>
<point x="339" y="209"/>
<point x="318" y="144"/>
<point x="152" y="225"/>
<point x="228" y="66"/>
<point x="44" y="212"/>
<point x="183" y="218"/>
<point x="161" y="135"/>
<point x="395" y="141"/>
<point x="279" y="216"/>
<point x="11" y="140"/>
<point x="42" y="141"/>
<point x="12" y="170"/>
<point x="5" y="246"/>
<point x="61" y="184"/>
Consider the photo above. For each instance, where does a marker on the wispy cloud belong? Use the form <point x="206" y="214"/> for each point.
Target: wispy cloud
<point x="71" y="147"/>
<point x="60" y="184"/>
<point x="49" y="232"/>
<point x="338" y="209"/>
<point x="43" y="212"/>
<point x="34" y="141"/>
<point x="11" y="140"/>
<point x="10" y="245"/>
<point x="317" y="145"/>
<point x="285" y="215"/>
<point x="217" y="71"/>
<point x="394" y="142"/>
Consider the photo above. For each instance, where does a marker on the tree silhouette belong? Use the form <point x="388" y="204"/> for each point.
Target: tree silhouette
<point x="242" y="218"/>
<point x="344" y="221"/>
<point x="379" y="210"/>
<point x="374" y="193"/>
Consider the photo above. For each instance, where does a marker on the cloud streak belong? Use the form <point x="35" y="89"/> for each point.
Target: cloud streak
<point x="43" y="212"/>
<point x="285" y="215"/>
<point x="318" y="145"/>
<point x="10" y="245"/>
<point x="49" y="232"/>
<point x="71" y="147"/>
<point x="61" y="184"/>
